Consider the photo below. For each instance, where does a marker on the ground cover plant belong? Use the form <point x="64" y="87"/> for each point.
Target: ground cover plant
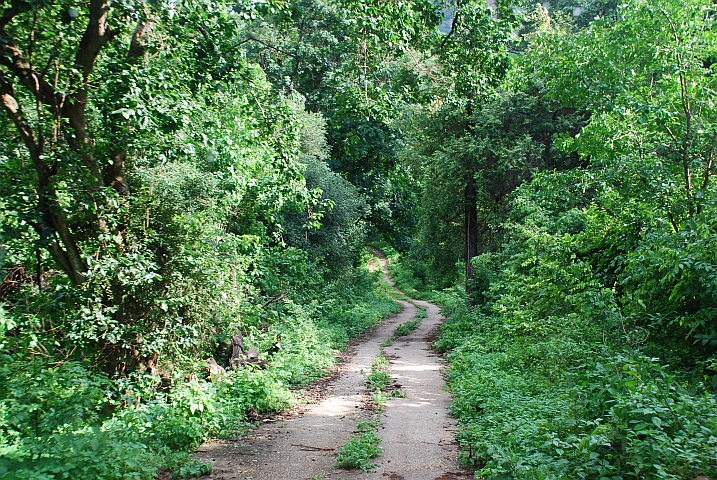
<point x="361" y="449"/>
<point x="378" y="380"/>
<point x="364" y="446"/>
<point x="406" y="328"/>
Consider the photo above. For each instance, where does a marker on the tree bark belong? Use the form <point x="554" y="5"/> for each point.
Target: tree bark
<point x="470" y="214"/>
<point x="54" y="232"/>
<point x="471" y="226"/>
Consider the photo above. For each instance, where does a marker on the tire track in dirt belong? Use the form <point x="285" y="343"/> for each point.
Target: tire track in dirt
<point x="417" y="432"/>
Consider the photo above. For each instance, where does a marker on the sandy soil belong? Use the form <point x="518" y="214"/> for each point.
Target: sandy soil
<point x="416" y="433"/>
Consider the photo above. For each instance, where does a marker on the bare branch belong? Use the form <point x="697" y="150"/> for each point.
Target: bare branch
<point x="454" y="25"/>
<point x="251" y="38"/>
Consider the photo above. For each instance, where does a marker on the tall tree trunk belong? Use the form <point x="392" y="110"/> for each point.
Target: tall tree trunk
<point x="471" y="226"/>
<point x="470" y="213"/>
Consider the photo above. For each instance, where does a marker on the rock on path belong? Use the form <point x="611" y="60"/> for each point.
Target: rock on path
<point x="416" y="434"/>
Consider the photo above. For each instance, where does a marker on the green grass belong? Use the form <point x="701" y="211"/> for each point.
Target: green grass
<point x="534" y="406"/>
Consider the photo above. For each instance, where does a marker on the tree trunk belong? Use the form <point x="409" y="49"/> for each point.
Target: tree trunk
<point x="470" y="212"/>
<point x="471" y="226"/>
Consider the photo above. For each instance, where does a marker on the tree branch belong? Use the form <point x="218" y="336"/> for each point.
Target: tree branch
<point x="11" y="12"/>
<point x="454" y="25"/>
<point x="138" y="46"/>
<point x="12" y="107"/>
<point x="68" y="259"/>
<point x="96" y="35"/>
<point x="12" y="58"/>
<point x="686" y="108"/>
<point x="251" y="38"/>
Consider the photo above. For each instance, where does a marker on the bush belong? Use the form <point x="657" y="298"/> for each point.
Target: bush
<point x="66" y="420"/>
<point x="86" y="453"/>
<point x="565" y="369"/>
<point x="39" y="400"/>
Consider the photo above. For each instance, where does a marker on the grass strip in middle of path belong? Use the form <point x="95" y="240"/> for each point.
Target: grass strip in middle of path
<point x="365" y="444"/>
<point x="362" y="448"/>
<point x="405" y="328"/>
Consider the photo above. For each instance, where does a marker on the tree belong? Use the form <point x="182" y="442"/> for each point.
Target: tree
<point x="511" y="138"/>
<point x="649" y="83"/>
<point x="60" y="111"/>
<point x="332" y="229"/>
<point x="470" y="61"/>
<point x="348" y="60"/>
<point x="135" y="149"/>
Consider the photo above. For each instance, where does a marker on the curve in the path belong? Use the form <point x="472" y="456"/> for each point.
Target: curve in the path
<point x="417" y="433"/>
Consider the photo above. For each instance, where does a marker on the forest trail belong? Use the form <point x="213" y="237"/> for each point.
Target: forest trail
<point x="417" y="434"/>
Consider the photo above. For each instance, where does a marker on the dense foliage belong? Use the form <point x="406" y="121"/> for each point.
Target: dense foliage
<point x="174" y="173"/>
<point x="590" y="349"/>
<point x="158" y="198"/>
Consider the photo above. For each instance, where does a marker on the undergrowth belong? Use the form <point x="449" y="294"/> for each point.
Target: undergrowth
<point x="556" y="374"/>
<point x="67" y="420"/>
<point x="552" y="378"/>
<point x="568" y="405"/>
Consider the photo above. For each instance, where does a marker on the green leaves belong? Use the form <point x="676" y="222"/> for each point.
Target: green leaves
<point x="396" y="24"/>
<point x="652" y="97"/>
<point x="474" y="54"/>
<point x="649" y="86"/>
<point x="359" y="451"/>
<point x="604" y="276"/>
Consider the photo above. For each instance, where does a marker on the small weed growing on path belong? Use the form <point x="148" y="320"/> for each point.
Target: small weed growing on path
<point x="366" y="425"/>
<point x="393" y="292"/>
<point x="406" y="328"/>
<point x="386" y="343"/>
<point x="378" y="380"/>
<point x="359" y="451"/>
<point x="397" y="394"/>
<point x="379" y="398"/>
<point x="379" y="376"/>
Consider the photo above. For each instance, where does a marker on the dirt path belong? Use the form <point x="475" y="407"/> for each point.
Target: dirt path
<point x="416" y="433"/>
